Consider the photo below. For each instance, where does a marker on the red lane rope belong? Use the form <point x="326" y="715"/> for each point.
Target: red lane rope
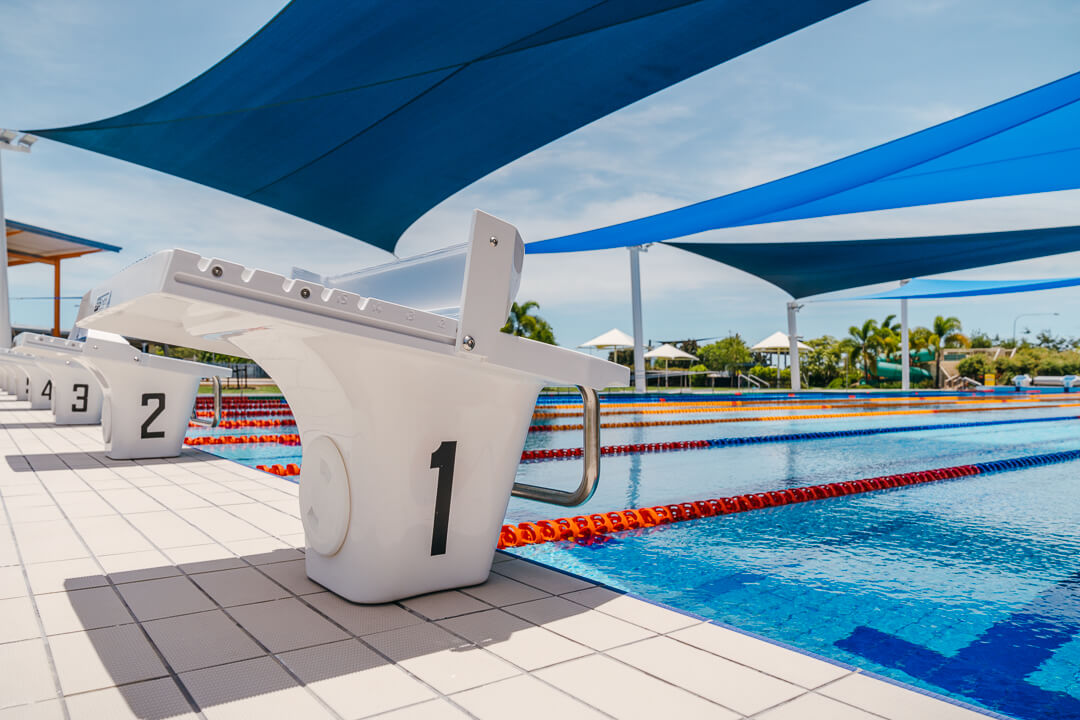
<point x="585" y="527"/>
<point x="292" y="439"/>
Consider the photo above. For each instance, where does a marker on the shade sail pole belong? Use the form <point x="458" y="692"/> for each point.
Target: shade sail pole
<point x="639" y="332"/>
<point x="56" y="299"/>
<point x="793" y="345"/>
<point x="905" y="356"/>
<point x="5" y="301"/>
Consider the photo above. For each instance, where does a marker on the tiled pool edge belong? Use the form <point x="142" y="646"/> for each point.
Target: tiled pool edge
<point x="778" y="643"/>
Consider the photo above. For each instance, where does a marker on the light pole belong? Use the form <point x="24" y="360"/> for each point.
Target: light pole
<point x="1027" y="315"/>
<point x="19" y="142"/>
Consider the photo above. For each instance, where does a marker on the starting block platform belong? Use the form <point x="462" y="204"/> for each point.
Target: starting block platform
<point x="177" y="589"/>
<point x="411" y="422"/>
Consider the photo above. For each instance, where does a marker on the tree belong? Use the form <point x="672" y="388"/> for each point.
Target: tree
<point x="979" y="339"/>
<point x="822" y="363"/>
<point x="863" y="343"/>
<point x="522" y="324"/>
<point x="946" y="333"/>
<point x="725" y="354"/>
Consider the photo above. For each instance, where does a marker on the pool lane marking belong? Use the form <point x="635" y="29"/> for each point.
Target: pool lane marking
<point x="994" y="667"/>
<point x="795" y="402"/>
<point x="776" y="418"/>
<point x="543" y="454"/>
<point x="596" y="525"/>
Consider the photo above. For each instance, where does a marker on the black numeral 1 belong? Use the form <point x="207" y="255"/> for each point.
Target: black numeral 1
<point x="81" y="391"/>
<point x="443" y="459"/>
<point x="159" y="398"/>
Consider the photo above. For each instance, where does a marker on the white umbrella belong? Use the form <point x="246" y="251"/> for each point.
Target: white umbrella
<point x="613" y="339"/>
<point x="669" y="352"/>
<point x="778" y="343"/>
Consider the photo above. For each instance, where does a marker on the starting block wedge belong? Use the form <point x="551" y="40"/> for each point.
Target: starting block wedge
<point x="75" y="393"/>
<point x="412" y="423"/>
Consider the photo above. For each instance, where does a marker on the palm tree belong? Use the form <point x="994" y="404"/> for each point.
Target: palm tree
<point x="863" y="343"/>
<point x="946" y="333"/>
<point x="522" y="324"/>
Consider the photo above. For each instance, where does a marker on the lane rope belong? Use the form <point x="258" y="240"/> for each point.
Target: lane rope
<point x="584" y="528"/>
<point x="776" y="418"/>
<point x="543" y="455"/>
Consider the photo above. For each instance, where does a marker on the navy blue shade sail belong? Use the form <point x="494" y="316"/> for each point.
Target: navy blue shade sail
<point x="811" y="268"/>
<point x="361" y="116"/>
<point x="1029" y="143"/>
<point x="929" y="288"/>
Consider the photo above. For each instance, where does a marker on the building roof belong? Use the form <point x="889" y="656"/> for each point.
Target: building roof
<point x="30" y="243"/>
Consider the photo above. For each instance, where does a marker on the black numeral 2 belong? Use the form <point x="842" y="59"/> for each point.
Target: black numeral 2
<point x="80" y="399"/>
<point x="47" y="390"/>
<point x="443" y="459"/>
<point x="147" y="433"/>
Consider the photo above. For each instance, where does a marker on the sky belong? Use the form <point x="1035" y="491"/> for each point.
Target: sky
<point x="876" y="72"/>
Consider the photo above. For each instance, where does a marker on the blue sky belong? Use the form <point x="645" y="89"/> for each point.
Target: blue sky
<point x="876" y="72"/>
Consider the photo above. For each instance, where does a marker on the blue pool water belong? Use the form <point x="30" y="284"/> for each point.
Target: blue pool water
<point x="969" y="587"/>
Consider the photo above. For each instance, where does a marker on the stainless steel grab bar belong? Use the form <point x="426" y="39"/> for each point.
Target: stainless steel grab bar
<point x="590" y="473"/>
<point x="215" y="420"/>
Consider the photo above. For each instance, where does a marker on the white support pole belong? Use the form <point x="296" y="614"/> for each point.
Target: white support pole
<point x="905" y="356"/>
<point x="639" y="333"/>
<point x="793" y="345"/>
<point x="5" y="302"/>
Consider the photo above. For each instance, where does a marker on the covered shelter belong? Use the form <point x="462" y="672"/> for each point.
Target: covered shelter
<point x="668" y="352"/>
<point x="27" y="244"/>
<point x="613" y="339"/>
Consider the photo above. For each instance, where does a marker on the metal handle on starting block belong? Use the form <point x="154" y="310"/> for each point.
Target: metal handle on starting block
<point x="215" y="420"/>
<point x="590" y="473"/>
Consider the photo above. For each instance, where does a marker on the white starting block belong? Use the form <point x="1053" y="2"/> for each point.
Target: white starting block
<point x="1067" y="382"/>
<point x="412" y="423"/>
<point x="75" y="393"/>
<point x="148" y="399"/>
<point x="32" y="382"/>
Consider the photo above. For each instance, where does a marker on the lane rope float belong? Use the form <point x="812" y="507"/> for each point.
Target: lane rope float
<point x="586" y="527"/>
<point x="775" y="418"/>
<point x="291" y="439"/>
<point x="542" y="455"/>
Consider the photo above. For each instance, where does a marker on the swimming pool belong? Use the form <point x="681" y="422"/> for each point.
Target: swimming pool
<point x="966" y="587"/>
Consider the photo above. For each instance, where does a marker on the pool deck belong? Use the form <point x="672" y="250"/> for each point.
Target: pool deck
<point x="176" y="588"/>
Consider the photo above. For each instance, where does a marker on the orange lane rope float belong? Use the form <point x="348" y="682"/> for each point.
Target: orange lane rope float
<point x="774" y="418"/>
<point x="586" y="527"/>
<point x="237" y="424"/>
<point x="290" y="470"/>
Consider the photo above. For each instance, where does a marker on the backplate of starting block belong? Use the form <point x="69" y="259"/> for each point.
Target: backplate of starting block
<point x="412" y="423"/>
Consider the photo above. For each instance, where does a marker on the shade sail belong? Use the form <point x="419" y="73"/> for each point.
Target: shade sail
<point x="669" y="352"/>
<point x="778" y="342"/>
<point x="1026" y="144"/>
<point x="361" y="116"/>
<point x="613" y="338"/>
<point x="810" y="268"/>
<point x="931" y="288"/>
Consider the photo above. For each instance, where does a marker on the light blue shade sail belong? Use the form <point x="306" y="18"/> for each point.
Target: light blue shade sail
<point x="361" y="116"/>
<point x="931" y="288"/>
<point x="1027" y="144"/>
<point x="811" y="268"/>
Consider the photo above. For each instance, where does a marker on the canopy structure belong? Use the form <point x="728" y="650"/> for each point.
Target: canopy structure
<point x="612" y="339"/>
<point x="669" y="352"/>
<point x="778" y="342"/>
<point x="363" y="116"/>
<point x="811" y="268"/>
<point x="926" y="288"/>
<point x="1026" y="144"/>
<point x="31" y="244"/>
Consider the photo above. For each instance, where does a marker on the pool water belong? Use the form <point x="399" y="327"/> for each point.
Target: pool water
<point x="969" y="587"/>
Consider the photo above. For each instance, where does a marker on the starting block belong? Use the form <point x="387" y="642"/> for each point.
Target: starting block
<point x="148" y="399"/>
<point x="31" y="382"/>
<point x="75" y="393"/>
<point x="412" y="423"/>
